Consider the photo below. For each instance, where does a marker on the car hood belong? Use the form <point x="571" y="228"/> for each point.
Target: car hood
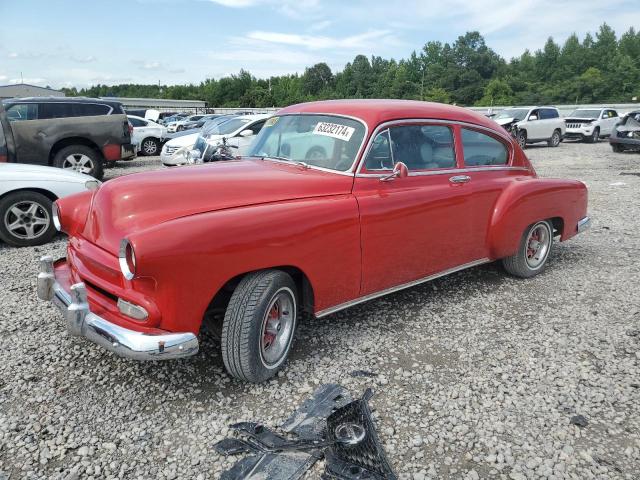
<point x="133" y="203"/>
<point x="504" y="121"/>
<point x="21" y="171"/>
<point x="579" y="119"/>
<point x="183" y="140"/>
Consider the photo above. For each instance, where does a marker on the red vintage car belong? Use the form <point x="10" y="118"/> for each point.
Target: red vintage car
<point x="339" y="202"/>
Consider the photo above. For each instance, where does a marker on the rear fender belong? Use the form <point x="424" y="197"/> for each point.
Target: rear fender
<point x="530" y="200"/>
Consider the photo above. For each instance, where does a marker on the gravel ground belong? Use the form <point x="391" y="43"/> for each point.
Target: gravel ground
<point x="478" y="374"/>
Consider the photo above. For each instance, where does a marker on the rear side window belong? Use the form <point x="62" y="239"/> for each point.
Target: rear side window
<point x="137" y="123"/>
<point x="480" y="149"/>
<point x="90" y="109"/>
<point x="22" y="111"/>
<point x="55" y="110"/>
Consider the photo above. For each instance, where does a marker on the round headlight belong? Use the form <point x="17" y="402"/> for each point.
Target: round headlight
<point x="55" y="214"/>
<point x="127" y="259"/>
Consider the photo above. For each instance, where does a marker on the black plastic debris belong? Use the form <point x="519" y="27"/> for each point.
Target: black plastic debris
<point x="579" y="420"/>
<point x="363" y="373"/>
<point x="329" y="425"/>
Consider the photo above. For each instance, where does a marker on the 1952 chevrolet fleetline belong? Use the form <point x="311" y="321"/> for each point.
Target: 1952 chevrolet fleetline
<point x="339" y="202"/>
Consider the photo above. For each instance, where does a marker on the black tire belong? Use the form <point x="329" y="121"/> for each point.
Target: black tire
<point x="149" y="146"/>
<point x="244" y="320"/>
<point x="66" y="157"/>
<point x="594" y="137"/>
<point x="556" y="138"/>
<point x="616" y="147"/>
<point x="110" y="164"/>
<point x="19" y="236"/>
<point x="518" y="264"/>
<point x="522" y="139"/>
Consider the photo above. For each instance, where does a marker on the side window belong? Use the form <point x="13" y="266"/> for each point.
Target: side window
<point x="89" y="109"/>
<point x="379" y="156"/>
<point x="481" y="149"/>
<point x="553" y="113"/>
<point x="136" y="123"/>
<point x="22" y="111"/>
<point x="613" y="114"/>
<point x="422" y="147"/>
<point x="54" y="110"/>
<point x="256" y="127"/>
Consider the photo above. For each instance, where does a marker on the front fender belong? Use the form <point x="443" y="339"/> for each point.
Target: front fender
<point x="526" y="201"/>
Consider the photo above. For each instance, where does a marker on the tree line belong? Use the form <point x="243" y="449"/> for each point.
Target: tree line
<point x="598" y="69"/>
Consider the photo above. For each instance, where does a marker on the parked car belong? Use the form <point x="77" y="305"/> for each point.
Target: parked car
<point x="626" y="134"/>
<point x="239" y="131"/>
<point x="147" y="135"/>
<point x="81" y="133"/>
<point x="199" y="123"/>
<point x="533" y="125"/>
<point x="590" y="124"/>
<point x="409" y="191"/>
<point x="179" y="125"/>
<point x="168" y="117"/>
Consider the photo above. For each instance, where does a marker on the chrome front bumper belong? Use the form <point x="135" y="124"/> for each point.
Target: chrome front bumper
<point x="584" y="224"/>
<point x="127" y="343"/>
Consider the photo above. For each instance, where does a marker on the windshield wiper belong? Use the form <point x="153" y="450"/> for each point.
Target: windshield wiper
<point x="284" y="159"/>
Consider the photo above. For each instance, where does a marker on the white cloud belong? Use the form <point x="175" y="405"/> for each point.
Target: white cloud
<point x="299" y="9"/>
<point x="3" y="78"/>
<point x="316" y="42"/>
<point x="13" y="55"/>
<point x="30" y="80"/>
<point x="87" y="59"/>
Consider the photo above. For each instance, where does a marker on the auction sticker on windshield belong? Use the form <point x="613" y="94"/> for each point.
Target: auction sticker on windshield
<point x="335" y="130"/>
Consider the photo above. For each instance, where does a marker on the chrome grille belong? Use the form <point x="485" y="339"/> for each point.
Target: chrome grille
<point x="574" y="125"/>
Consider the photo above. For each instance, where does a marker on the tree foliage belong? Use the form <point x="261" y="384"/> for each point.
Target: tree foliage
<point x="466" y="72"/>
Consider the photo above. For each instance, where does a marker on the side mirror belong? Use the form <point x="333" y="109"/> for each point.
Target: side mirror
<point x="400" y="170"/>
<point x="532" y="118"/>
<point x="246" y="133"/>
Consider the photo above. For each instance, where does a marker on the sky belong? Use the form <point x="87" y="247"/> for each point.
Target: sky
<point x="64" y="43"/>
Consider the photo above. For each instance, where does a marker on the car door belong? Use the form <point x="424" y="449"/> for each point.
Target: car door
<point x="546" y="123"/>
<point x="534" y="128"/>
<point x="415" y="226"/>
<point x="487" y="160"/>
<point x="611" y="120"/>
<point x="28" y="133"/>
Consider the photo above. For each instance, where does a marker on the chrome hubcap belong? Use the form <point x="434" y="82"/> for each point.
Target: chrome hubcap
<point x="78" y="162"/>
<point x="277" y="328"/>
<point x="538" y="243"/>
<point x="26" y="220"/>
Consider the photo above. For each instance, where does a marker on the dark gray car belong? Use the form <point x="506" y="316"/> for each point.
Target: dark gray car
<point x="80" y="134"/>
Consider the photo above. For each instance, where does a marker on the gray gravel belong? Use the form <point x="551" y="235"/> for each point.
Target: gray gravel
<point x="479" y="374"/>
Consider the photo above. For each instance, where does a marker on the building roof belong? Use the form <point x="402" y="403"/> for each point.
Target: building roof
<point x="374" y="112"/>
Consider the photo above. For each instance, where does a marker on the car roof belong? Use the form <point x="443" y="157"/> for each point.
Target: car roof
<point x="374" y="112"/>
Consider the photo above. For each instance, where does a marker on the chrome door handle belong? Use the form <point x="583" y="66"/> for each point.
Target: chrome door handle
<point x="460" y="179"/>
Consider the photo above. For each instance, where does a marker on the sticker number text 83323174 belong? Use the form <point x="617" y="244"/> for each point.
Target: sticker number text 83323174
<point x="335" y="130"/>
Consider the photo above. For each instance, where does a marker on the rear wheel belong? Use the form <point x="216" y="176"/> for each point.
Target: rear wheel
<point x="80" y="158"/>
<point x="259" y="325"/>
<point x="595" y="136"/>
<point x="533" y="252"/>
<point x="150" y="146"/>
<point x="26" y="219"/>
<point x="554" y="141"/>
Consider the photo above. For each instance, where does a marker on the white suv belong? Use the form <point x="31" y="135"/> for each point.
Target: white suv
<point x="591" y="124"/>
<point x="533" y="124"/>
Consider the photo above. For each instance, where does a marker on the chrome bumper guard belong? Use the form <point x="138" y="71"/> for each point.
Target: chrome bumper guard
<point x="124" y="342"/>
<point x="584" y="224"/>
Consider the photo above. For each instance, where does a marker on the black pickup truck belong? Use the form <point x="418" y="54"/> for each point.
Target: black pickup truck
<point x="81" y="134"/>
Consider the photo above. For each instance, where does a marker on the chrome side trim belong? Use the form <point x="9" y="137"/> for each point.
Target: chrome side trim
<point x="82" y="322"/>
<point x="381" y="293"/>
<point x="506" y="137"/>
<point x="447" y="171"/>
<point x="584" y="224"/>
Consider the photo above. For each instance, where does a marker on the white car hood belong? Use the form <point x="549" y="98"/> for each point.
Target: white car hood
<point x="504" y="121"/>
<point x="183" y="141"/>
<point x="22" y="171"/>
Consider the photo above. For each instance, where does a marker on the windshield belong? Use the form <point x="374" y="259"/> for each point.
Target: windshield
<point x="225" y="127"/>
<point x="325" y="141"/>
<point x="585" y="113"/>
<point x="515" y="113"/>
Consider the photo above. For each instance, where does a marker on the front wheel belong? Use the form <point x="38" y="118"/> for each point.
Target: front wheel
<point x="259" y="325"/>
<point x="617" y="148"/>
<point x="595" y="136"/>
<point x="522" y="139"/>
<point x="25" y="219"/>
<point x="554" y="141"/>
<point x="533" y="252"/>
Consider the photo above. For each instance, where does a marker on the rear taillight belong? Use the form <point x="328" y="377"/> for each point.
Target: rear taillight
<point x="127" y="130"/>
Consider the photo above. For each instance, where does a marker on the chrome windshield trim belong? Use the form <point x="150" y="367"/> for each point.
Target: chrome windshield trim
<point x="356" y="159"/>
<point x="381" y="293"/>
<point x="391" y="123"/>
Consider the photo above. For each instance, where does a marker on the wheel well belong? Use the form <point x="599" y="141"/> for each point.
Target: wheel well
<point x="558" y="225"/>
<point x="67" y="142"/>
<point x="42" y="191"/>
<point x="214" y="314"/>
